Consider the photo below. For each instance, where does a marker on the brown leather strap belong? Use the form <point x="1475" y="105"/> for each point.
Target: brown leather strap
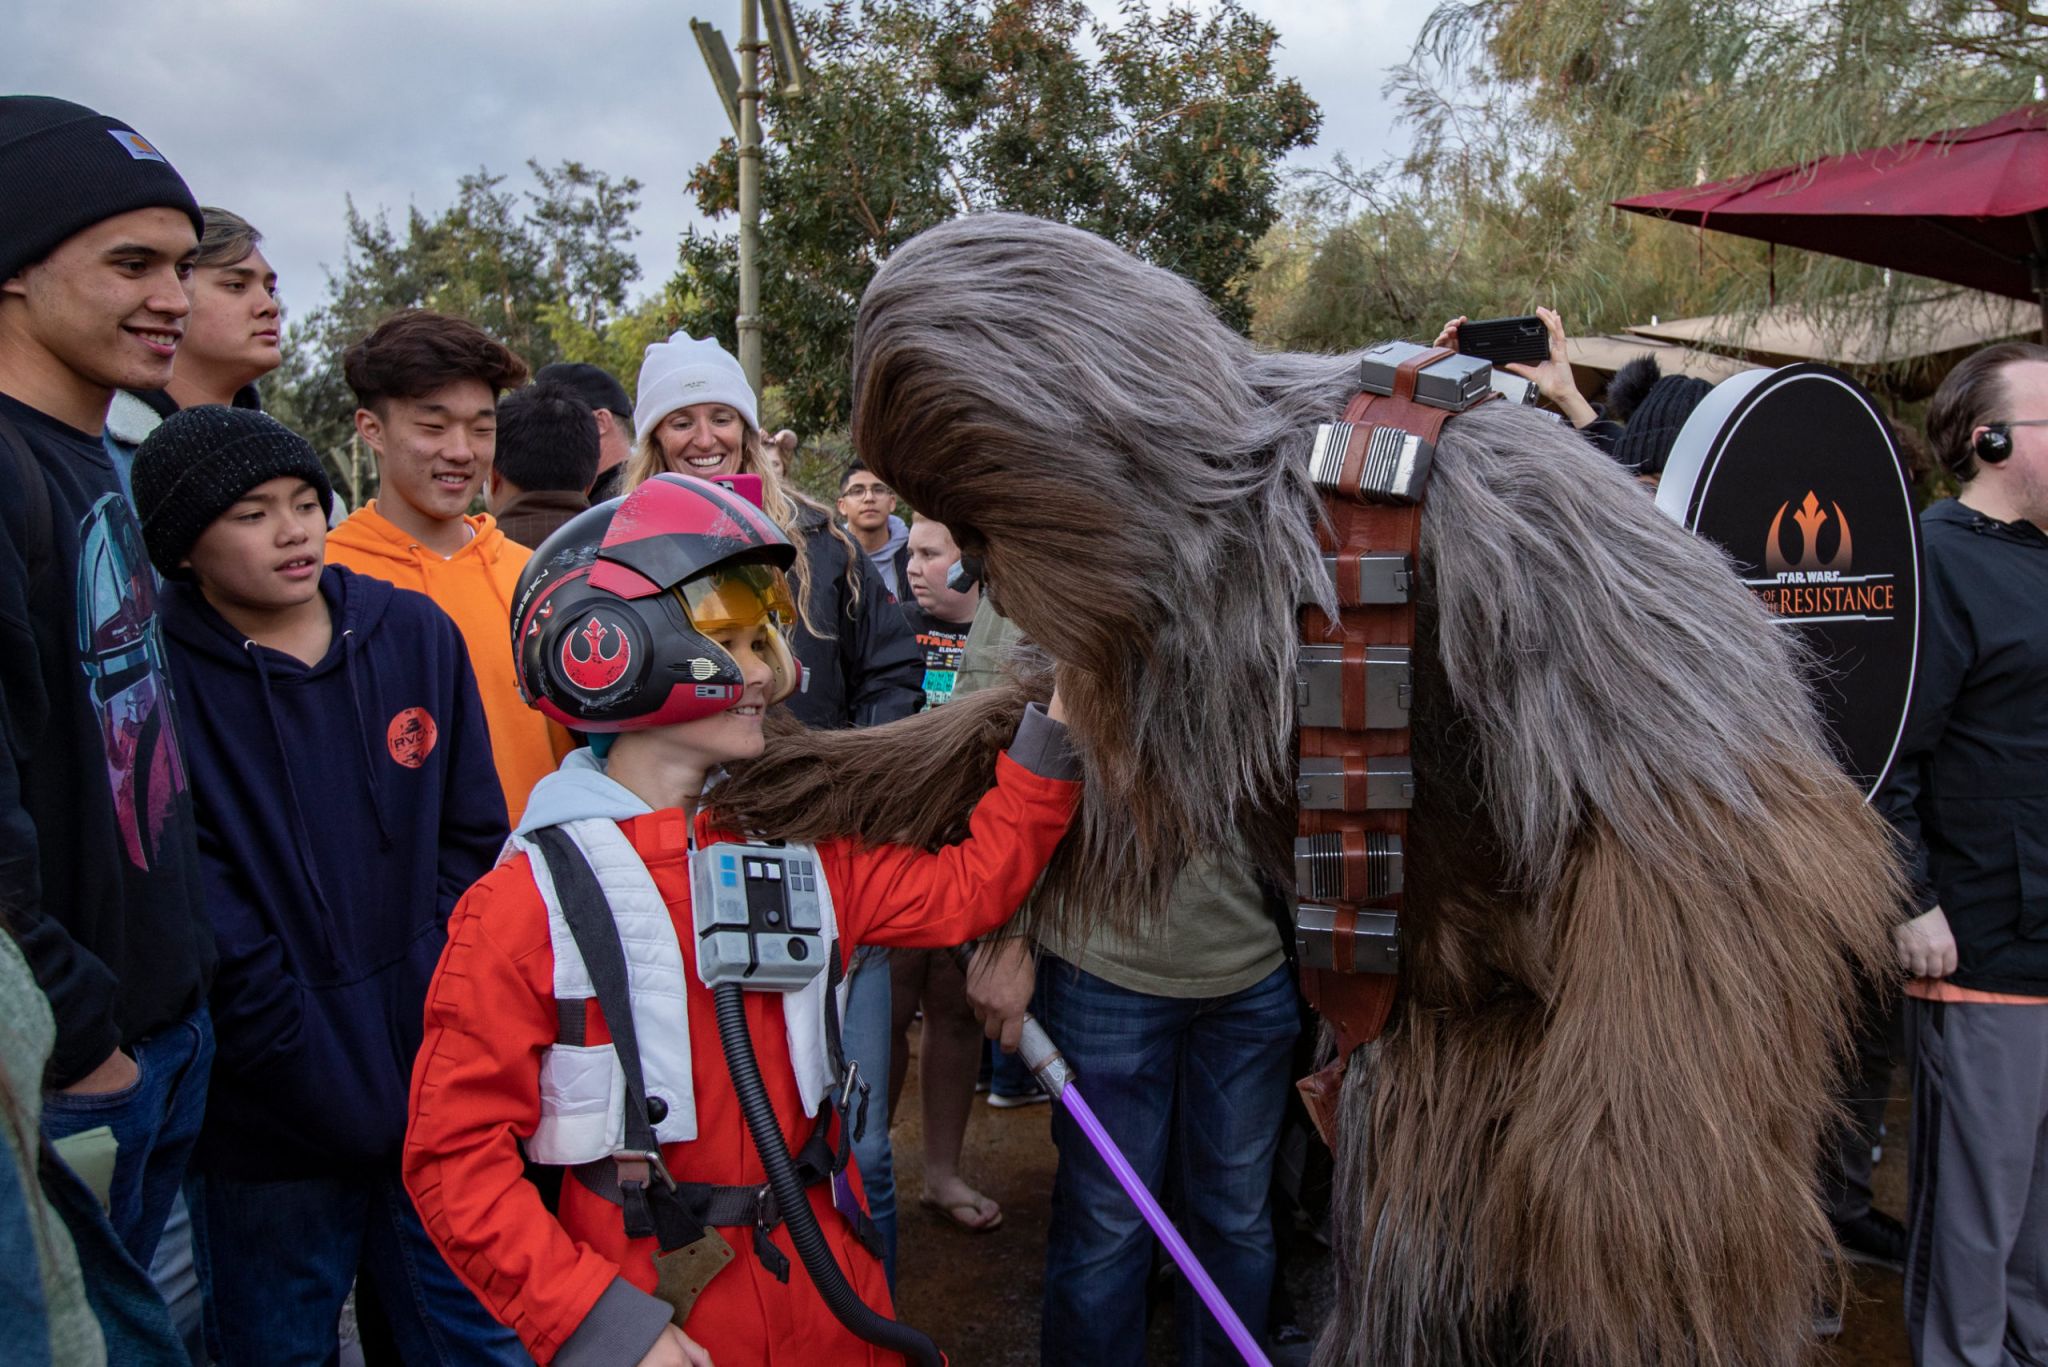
<point x="1358" y="1005"/>
<point x="1405" y="375"/>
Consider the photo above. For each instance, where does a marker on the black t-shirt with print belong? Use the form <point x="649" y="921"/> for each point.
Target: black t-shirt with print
<point x="942" y="643"/>
<point x="99" y="872"/>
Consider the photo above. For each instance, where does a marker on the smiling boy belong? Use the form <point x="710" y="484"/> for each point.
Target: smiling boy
<point x="429" y="385"/>
<point x="98" y="864"/>
<point x="230" y="341"/>
<point x="345" y="801"/>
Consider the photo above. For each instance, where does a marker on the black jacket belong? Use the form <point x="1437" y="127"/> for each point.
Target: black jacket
<point x="872" y="670"/>
<point x="99" y="865"/>
<point x="1969" y="792"/>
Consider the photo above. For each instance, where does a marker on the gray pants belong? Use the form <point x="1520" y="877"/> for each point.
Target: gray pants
<point x="1977" y="1256"/>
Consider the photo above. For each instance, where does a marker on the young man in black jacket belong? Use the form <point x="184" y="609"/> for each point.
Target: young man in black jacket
<point x="1969" y="797"/>
<point x="98" y="864"/>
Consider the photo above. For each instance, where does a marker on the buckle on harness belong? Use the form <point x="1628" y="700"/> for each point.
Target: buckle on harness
<point x="853" y="1124"/>
<point x="636" y="1165"/>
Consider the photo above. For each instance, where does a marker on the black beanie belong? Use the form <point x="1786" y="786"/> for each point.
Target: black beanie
<point x="1652" y="429"/>
<point x="64" y="168"/>
<point x="199" y="461"/>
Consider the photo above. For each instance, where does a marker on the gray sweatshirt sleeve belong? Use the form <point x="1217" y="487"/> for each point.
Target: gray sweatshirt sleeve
<point x="1043" y="747"/>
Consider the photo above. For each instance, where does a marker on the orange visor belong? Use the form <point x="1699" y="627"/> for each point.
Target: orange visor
<point x="740" y="597"/>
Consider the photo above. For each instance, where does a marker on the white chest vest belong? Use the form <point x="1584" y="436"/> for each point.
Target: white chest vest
<point x="583" y="1087"/>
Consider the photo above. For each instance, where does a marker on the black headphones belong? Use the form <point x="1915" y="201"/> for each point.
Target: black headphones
<point x="1993" y="444"/>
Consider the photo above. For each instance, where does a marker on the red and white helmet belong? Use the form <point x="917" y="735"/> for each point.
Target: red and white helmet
<point x="610" y="616"/>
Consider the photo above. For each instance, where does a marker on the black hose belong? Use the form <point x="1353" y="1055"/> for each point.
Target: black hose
<point x="795" y="1203"/>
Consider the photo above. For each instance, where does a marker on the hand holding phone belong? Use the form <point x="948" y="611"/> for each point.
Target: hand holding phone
<point x="1505" y="341"/>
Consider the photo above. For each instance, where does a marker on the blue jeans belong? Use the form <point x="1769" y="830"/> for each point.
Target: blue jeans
<point x="1203" y="1078"/>
<point x="864" y="1035"/>
<point x="133" y="1319"/>
<point x="155" y="1120"/>
<point x="281" y="1257"/>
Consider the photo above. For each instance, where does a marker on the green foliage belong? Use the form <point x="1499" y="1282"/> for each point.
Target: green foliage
<point x="545" y="271"/>
<point x="1166" y="141"/>
<point x="1531" y="115"/>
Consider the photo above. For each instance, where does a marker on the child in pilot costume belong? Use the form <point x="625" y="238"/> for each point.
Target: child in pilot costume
<point x="655" y="624"/>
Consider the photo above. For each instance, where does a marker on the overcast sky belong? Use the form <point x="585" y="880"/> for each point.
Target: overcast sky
<point x="280" y="108"/>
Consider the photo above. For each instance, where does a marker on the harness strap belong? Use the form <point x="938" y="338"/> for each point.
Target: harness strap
<point x="636" y="1179"/>
<point x="740" y="1207"/>
<point x="647" y="1193"/>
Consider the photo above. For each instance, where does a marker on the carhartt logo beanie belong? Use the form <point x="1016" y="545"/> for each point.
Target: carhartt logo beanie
<point x="64" y="168"/>
<point x="199" y="461"/>
<point x="688" y="370"/>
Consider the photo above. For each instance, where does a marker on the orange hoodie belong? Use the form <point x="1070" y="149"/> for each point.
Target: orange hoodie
<point x="475" y="587"/>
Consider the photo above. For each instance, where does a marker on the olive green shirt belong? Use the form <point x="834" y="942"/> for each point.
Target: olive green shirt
<point x="1215" y="936"/>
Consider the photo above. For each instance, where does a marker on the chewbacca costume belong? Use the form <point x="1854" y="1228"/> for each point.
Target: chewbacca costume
<point x="1638" y="888"/>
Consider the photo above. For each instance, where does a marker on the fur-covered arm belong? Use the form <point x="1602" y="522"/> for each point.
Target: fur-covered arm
<point x="911" y="782"/>
<point x="902" y="895"/>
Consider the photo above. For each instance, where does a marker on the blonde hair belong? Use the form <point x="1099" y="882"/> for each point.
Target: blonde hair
<point x="783" y="502"/>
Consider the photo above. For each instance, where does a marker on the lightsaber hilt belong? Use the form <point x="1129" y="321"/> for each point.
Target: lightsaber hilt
<point x="1034" y="1046"/>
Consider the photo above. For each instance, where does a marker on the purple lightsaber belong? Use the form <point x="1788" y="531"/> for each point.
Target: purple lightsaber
<point x="1056" y="1075"/>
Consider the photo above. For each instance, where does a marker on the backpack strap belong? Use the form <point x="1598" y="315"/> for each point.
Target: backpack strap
<point x="39" y="546"/>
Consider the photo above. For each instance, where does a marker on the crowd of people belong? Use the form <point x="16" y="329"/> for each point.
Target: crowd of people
<point x="302" y="807"/>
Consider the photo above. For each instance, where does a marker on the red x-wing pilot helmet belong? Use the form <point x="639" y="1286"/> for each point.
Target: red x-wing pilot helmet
<point x="610" y="617"/>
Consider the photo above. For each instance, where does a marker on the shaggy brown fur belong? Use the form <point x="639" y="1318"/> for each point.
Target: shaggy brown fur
<point x="909" y="782"/>
<point x="1637" y="891"/>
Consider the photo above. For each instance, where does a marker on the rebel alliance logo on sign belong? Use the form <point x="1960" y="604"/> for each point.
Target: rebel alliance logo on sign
<point x="596" y="654"/>
<point x="1795" y="474"/>
<point x="1810" y="520"/>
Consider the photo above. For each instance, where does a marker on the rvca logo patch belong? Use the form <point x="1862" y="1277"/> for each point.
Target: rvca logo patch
<point x="411" y="737"/>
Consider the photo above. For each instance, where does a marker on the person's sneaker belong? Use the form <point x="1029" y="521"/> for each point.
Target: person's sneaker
<point x="1874" y="1239"/>
<point x="1004" y="1101"/>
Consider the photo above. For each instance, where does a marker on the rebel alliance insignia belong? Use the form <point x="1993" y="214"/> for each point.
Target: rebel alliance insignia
<point x="1810" y="519"/>
<point x="596" y="655"/>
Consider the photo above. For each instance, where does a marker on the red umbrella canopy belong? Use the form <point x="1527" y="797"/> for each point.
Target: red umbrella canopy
<point x="1969" y="205"/>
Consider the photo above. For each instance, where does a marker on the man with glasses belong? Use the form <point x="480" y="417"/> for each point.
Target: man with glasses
<point x="1969" y="798"/>
<point x="869" y="507"/>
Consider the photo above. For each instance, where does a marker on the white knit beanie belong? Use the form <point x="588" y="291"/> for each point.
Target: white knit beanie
<point x="688" y="370"/>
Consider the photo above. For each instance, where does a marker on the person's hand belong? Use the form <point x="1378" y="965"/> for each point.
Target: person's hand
<point x="1449" y="336"/>
<point x="116" y="1071"/>
<point x="1927" y="948"/>
<point x="676" y="1349"/>
<point x="1553" y="379"/>
<point x="999" y="982"/>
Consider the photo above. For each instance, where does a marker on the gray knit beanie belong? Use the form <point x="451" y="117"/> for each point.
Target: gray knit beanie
<point x="64" y="168"/>
<point x="199" y="461"/>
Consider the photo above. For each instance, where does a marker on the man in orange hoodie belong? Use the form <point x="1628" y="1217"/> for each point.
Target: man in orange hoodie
<point x="429" y="385"/>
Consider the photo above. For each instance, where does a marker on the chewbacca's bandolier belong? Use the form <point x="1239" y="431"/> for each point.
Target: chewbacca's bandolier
<point x="1353" y="690"/>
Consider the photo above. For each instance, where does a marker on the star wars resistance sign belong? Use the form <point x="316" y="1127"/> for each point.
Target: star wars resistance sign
<point x="1795" y="474"/>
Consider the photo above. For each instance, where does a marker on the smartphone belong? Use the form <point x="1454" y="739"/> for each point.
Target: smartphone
<point x="747" y="487"/>
<point x="1506" y="341"/>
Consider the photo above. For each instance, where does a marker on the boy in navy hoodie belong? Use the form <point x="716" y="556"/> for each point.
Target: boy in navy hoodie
<point x="346" y="798"/>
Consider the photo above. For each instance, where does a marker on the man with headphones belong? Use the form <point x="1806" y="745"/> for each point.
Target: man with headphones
<point x="1969" y="798"/>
